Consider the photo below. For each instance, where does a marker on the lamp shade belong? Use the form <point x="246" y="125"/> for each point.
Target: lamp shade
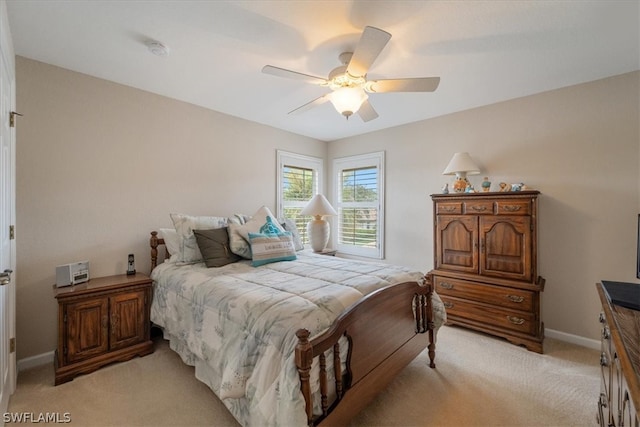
<point x="318" y="205"/>
<point x="461" y="163"/>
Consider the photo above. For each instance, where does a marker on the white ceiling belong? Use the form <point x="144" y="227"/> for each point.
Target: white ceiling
<point x="484" y="51"/>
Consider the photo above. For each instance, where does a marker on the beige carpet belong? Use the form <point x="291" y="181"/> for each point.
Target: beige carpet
<point x="479" y="381"/>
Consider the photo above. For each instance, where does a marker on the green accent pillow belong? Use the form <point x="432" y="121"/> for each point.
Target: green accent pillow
<point x="214" y="245"/>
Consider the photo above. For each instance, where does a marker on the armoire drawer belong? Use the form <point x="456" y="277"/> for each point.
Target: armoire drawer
<point x="513" y="298"/>
<point x="513" y="207"/>
<point x="489" y="315"/>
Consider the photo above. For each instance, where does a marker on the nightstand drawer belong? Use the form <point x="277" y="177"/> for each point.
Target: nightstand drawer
<point x="513" y="298"/>
<point x="489" y="315"/>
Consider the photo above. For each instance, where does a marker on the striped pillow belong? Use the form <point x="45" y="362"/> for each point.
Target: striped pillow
<point x="266" y="248"/>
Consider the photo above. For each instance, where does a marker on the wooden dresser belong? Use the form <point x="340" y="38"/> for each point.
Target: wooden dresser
<point x="619" y="400"/>
<point x="485" y="263"/>
<point x="102" y="321"/>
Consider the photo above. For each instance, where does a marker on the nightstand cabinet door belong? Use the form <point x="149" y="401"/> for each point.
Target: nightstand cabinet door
<point x="87" y="329"/>
<point x="127" y="319"/>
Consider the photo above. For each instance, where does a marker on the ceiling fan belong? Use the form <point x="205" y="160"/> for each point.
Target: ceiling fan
<point x="349" y="83"/>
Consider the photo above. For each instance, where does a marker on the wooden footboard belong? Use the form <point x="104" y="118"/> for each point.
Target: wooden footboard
<point x="385" y="331"/>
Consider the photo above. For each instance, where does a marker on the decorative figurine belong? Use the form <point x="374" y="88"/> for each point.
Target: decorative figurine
<point x="516" y="187"/>
<point x="445" y="189"/>
<point x="504" y="187"/>
<point x="486" y="185"/>
<point x="469" y="188"/>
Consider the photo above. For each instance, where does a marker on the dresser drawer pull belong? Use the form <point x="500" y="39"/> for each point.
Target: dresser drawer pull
<point x="606" y="333"/>
<point x="447" y="208"/>
<point x="446" y="285"/>
<point x="447" y="304"/>
<point x="478" y="208"/>
<point x="511" y="208"/>
<point x="515" y="298"/>
<point x="603" y="359"/>
<point x="601" y="317"/>
<point x="515" y="320"/>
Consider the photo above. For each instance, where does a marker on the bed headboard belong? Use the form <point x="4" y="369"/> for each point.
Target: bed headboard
<point x="154" y="242"/>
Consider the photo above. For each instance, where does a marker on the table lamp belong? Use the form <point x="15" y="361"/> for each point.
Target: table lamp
<point x="318" y="228"/>
<point x="461" y="165"/>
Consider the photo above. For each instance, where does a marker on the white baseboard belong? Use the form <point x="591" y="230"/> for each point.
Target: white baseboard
<point x="573" y="339"/>
<point x="37" y="360"/>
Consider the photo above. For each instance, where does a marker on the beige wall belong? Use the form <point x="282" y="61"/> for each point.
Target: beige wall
<point x="578" y="146"/>
<point x="99" y="165"/>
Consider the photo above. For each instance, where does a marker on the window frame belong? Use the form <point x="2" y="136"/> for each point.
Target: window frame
<point x="286" y="158"/>
<point x="377" y="160"/>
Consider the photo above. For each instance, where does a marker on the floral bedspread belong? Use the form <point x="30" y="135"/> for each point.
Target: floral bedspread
<point x="236" y="324"/>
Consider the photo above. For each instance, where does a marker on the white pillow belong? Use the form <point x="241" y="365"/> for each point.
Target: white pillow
<point x="239" y="233"/>
<point x="170" y="237"/>
<point x="188" y="251"/>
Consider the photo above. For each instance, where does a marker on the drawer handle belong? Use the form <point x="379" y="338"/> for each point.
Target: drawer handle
<point x="511" y="208"/>
<point x="603" y="359"/>
<point x="606" y="333"/>
<point x="515" y="320"/>
<point x="448" y="208"/>
<point x="601" y="318"/>
<point x="515" y="298"/>
<point x="478" y="208"/>
<point x="446" y="285"/>
<point x="447" y="304"/>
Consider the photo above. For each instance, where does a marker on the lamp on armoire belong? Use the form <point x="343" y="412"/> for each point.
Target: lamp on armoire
<point x="461" y="165"/>
<point x="318" y="227"/>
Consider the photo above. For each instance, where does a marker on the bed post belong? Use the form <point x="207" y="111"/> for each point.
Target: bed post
<point x="304" y="358"/>
<point x="153" y="241"/>
<point x="430" y="323"/>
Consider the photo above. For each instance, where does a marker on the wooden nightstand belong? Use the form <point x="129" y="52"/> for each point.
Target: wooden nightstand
<point x="102" y="321"/>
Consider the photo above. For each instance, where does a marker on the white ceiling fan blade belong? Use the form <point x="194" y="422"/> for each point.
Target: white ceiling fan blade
<point x="288" y="74"/>
<point x="418" y="84"/>
<point x="371" y="43"/>
<point x="310" y="105"/>
<point x="366" y="111"/>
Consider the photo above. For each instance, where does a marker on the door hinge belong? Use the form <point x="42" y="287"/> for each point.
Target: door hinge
<point x="12" y="232"/>
<point x="12" y="118"/>
<point x="12" y="345"/>
<point x="64" y="318"/>
<point x="64" y="351"/>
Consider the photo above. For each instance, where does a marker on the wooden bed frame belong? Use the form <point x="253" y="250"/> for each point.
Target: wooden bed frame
<point x="386" y="330"/>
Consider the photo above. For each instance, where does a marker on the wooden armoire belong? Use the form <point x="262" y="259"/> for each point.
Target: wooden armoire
<point x="485" y="263"/>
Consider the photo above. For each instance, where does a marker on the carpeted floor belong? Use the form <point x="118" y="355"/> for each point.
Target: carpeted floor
<point x="479" y="381"/>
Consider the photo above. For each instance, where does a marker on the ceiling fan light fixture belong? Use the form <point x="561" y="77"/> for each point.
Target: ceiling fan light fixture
<point x="347" y="100"/>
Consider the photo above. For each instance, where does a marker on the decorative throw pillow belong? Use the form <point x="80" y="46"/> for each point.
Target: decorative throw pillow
<point x="290" y="226"/>
<point x="266" y="248"/>
<point x="214" y="246"/>
<point x="188" y="251"/>
<point x="170" y="237"/>
<point x="239" y="233"/>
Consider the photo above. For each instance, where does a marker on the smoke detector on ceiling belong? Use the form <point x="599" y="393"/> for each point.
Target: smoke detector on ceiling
<point x="157" y="48"/>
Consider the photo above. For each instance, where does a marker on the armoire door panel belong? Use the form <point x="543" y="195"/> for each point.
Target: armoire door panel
<point x="506" y="247"/>
<point x="457" y="240"/>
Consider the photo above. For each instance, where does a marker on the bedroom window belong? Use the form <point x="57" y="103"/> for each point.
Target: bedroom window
<point x="359" y="200"/>
<point x="299" y="179"/>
